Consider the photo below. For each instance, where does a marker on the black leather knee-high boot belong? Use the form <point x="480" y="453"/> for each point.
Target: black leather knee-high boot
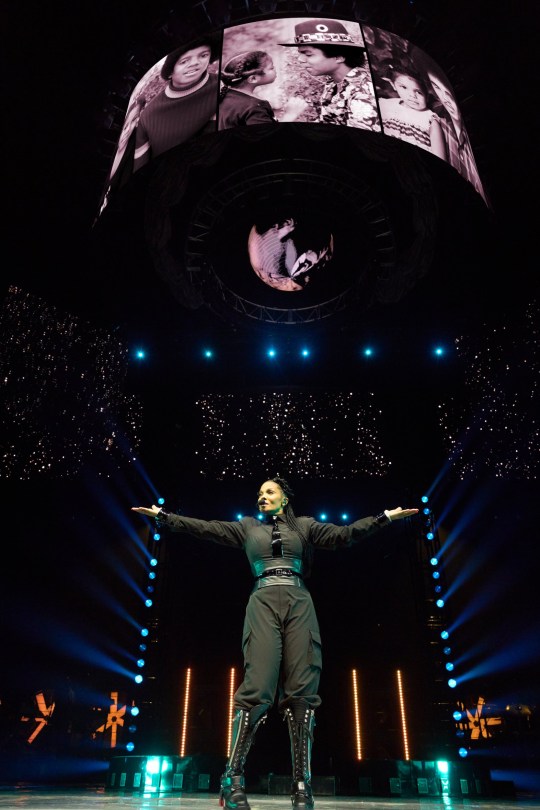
<point x="233" y="791"/>
<point x="301" y="722"/>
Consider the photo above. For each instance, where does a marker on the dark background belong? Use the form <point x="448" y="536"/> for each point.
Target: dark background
<point x="71" y="551"/>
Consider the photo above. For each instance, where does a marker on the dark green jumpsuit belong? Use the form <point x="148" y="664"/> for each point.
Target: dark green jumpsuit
<point x="281" y="640"/>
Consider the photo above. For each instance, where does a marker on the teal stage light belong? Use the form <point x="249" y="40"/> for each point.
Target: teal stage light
<point x="424" y="498"/>
<point x="161" y="501"/>
<point x="445" y="634"/>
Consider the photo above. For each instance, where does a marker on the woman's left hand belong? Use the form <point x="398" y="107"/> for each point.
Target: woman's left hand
<point x="398" y="513"/>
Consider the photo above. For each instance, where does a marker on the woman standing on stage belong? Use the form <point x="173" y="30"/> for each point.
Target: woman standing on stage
<point x="281" y="640"/>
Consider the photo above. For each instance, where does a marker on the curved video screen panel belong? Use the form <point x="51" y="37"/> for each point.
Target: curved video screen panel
<point x="297" y="69"/>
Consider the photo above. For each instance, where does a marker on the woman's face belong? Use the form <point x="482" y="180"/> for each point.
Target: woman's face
<point x="191" y="66"/>
<point x="271" y="499"/>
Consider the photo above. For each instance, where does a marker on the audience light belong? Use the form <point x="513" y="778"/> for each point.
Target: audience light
<point x="271" y="352"/>
<point x="438" y="351"/>
<point x="367" y="351"/>
<point x="140" y="354"/>
<point x="305" y="352"/>
<point x="208" y="353"/>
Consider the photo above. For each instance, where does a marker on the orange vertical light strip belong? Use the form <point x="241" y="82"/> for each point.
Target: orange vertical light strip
<point x="357" y="727"/>
<point x="185" y="713"/>
<point x="403" y="716"/>
<point x="232" y="690"/>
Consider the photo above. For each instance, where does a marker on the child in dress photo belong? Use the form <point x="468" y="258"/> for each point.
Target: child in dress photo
<point x="409" y="116"/>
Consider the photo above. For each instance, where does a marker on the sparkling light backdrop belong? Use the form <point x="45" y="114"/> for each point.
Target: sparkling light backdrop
<point x="329" y="435"/>
<point x="494" y="425"/>
<point x="62" y="390"/>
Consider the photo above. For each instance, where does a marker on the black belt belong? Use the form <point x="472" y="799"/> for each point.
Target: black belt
<point x="279" y="572"/>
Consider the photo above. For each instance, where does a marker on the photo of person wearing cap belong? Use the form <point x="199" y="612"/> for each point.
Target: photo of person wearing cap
<point x="327" y="49"/>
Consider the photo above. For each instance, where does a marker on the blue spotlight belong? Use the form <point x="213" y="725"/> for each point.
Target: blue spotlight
<point x="259" y="516"/>
<point x="424" y="498"/>
<point x="144" y="632"/>
<point x="239" y="516"/>
<point x="438" y="351"/>
<point x="436" y="575"/>
<point x="130" y="746"/>
<point x="208" y="354"/>
<point x="452" y="683"/>
<point x="345" y="516"/>
<point x="463" y="752"/>
<point x="140" y="663"/>
<point x="440" y="603"/>
<point x="449" y="666"/>
<point x="134" y="711"/>
<point x="430" y="536"/>
<point x="148" y="603"/>
<point x="322" y="516"/>
<point x="445" y="634"/>
<point x="152" y="575"/>
<point x="367" y="351"/>
<point x="153" y="562"/>
<point x="426" y="510"/>
<point x="457" y="716"/>
<point x="149" y="589"/>
<point x="305" y="352"/>
<point x="434" y="561"/>
<point x="138" y="678"/>
<point x="142" y="647"/>
<point x="442" y="767"/>
<point x="157" y="536"/>
<point x="447" y="650"/>
<point x="271" y="352"/>
<point x="132" y="729"/>
<point x="161" y="501"/>
<point x="140" y="354"/>
<point x="438" y="588"/>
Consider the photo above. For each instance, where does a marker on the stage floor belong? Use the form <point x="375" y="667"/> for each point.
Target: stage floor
<point x="48" y="798"/>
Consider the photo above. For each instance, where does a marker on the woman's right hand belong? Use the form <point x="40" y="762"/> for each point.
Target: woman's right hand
<point x="143" y="510"/>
